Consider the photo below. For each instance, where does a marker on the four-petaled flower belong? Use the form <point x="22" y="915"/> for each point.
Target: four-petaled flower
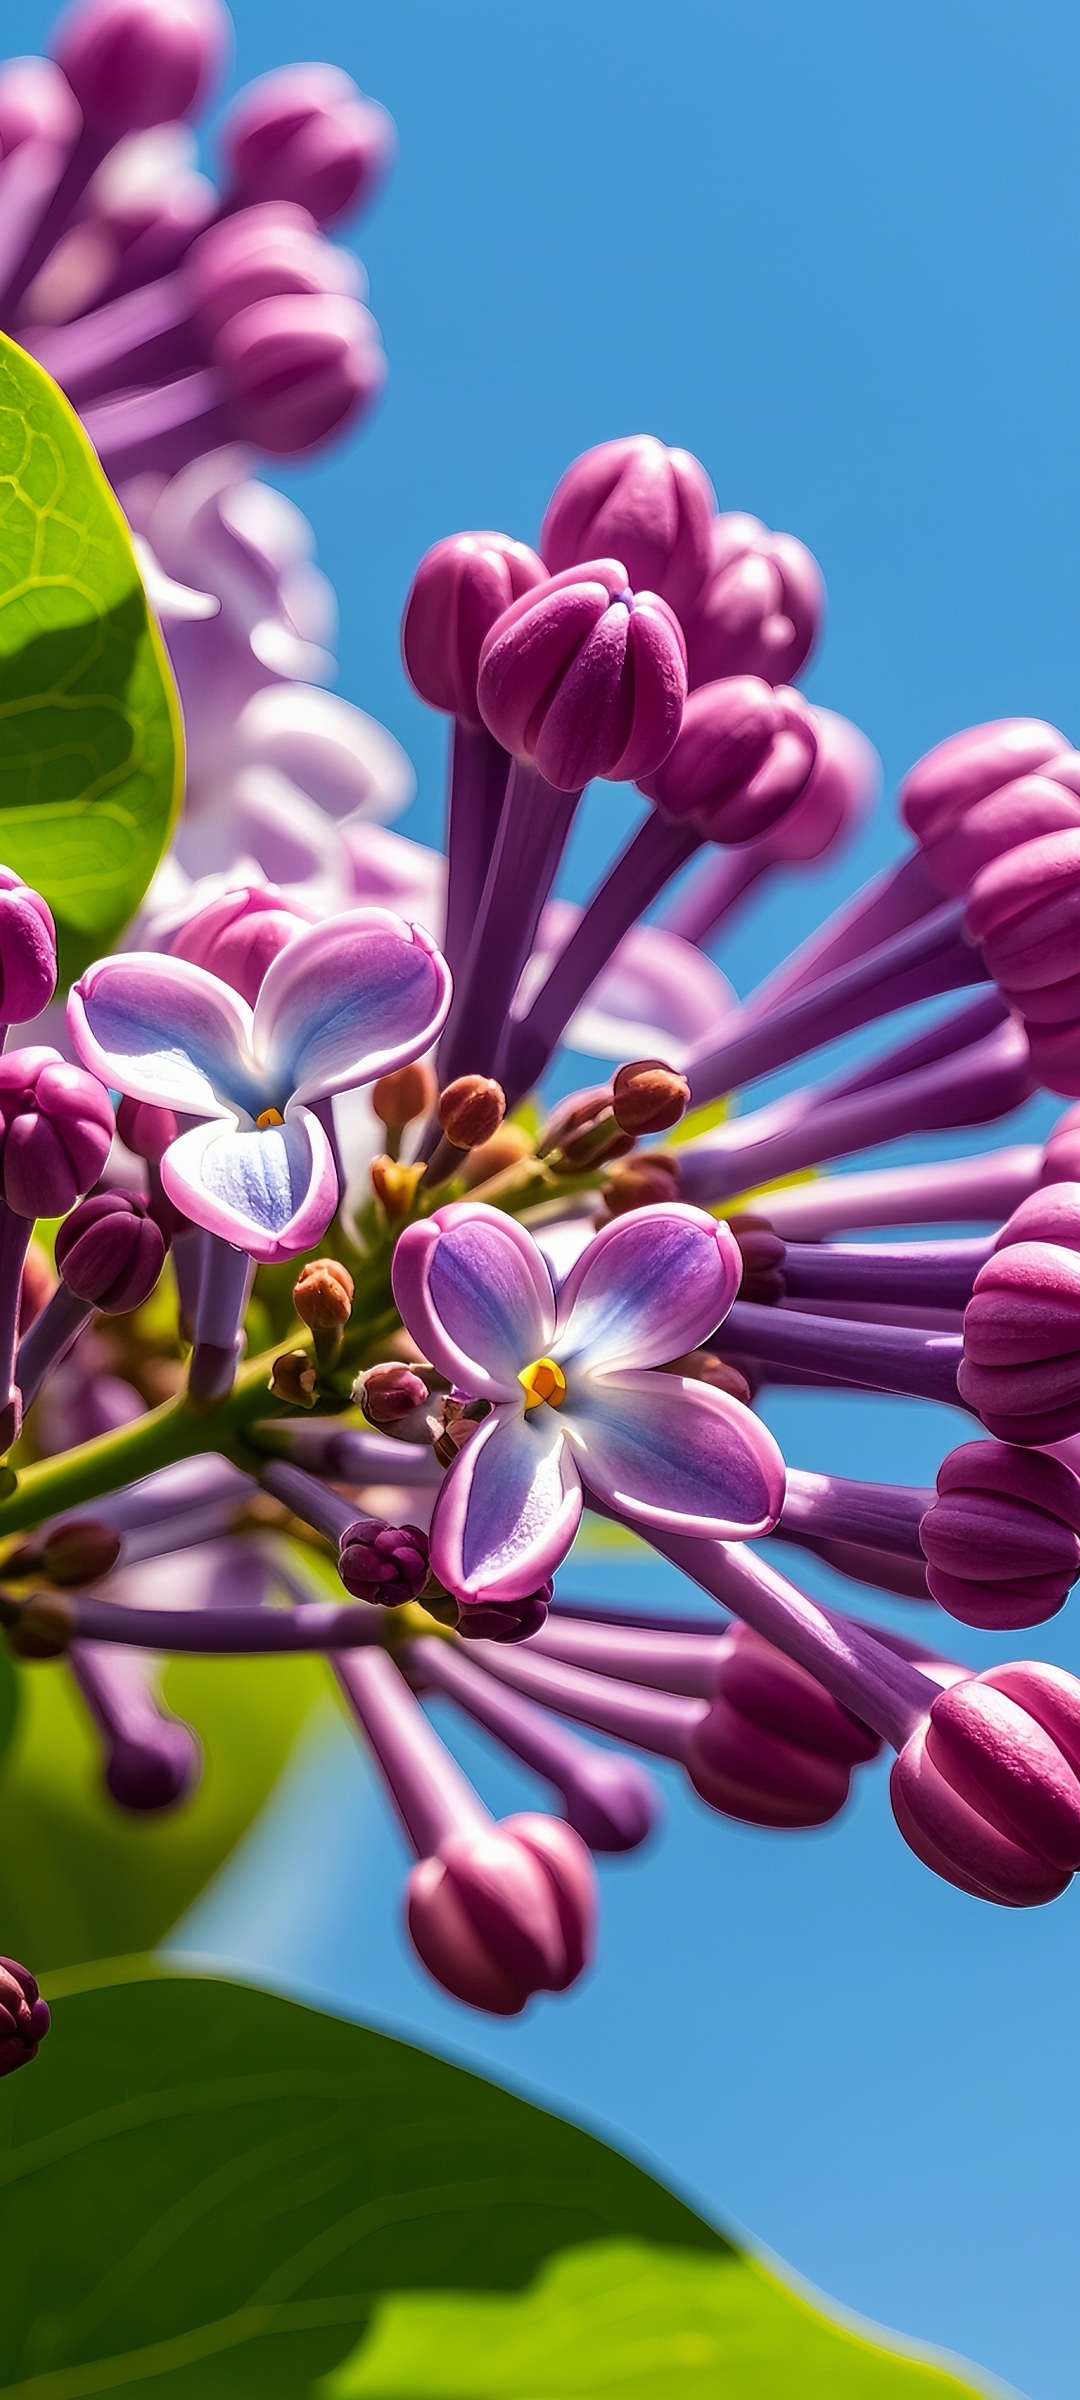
<point x="576" y="1403"/>
<point x="340" y="1006"/>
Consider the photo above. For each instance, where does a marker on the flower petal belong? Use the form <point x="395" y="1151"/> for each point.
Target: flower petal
<point x="475" y="1293"/>
<point x="166" y="1032"/>
<point x="655" y="1283"/>
<point x="674" y="1452"/>
<point x="347" y="1002"/>
<point x="271" y="1193"/>
<point x="509" y="1508"/>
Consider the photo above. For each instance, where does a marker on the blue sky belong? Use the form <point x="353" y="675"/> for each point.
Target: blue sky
<point x="833" y="251"/>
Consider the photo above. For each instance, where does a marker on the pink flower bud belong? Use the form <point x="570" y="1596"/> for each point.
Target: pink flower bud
<point x="459" y="590"/>
<point x="1024" y="908"/>
<point x="1021" y="1365"/>
<point x="1051" y="1214"/>
<point x="496" y="1916"/>
<point x="36" y="104"/>
<point x="1002" y="1539"/>
<point x="744" y="755"/>
<point x="387" y="1564"/>
<point x="146" y="1131"/>
<point x="56" y="1130"/>
<point x="109" y="1251"/>
<point x="132" y="63"/>
<point x="760" y="607"/>
<point x="634" y="500"/>
<point x="987" y="1791"/>
<point x="298" y="368"/>
<point x="27" y="951"/>
<point x="259" y="254"/>
<point x="238" y="936"/>
<point x="390" y="1392"/>
<point x="841" y="793"/>
<point x="585" y="677"/>
<point x="1061" y="1157"/>
<point x="305" y="133"/>
<point x="24" y="2016"/>
<point x="775" y="1748"/>
<point x="985" y="790"/>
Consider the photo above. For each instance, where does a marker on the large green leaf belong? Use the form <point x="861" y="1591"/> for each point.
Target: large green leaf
<point x="91" y="751"/>
<point x="207" y="2193"/>
<point x="81" y="1878"/>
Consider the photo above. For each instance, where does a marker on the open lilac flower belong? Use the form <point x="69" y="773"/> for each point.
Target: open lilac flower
<point x="575" y="1401"/>
<point x="340" y="1006"/>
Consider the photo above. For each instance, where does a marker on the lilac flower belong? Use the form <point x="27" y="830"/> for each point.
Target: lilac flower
<point x="574" y="1399"/>
<point x="340" y="1005"/>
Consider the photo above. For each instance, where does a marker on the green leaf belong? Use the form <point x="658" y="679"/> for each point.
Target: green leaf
<point x="208" y="2193"/>
<point x="91" y="747"/>
<point x="81" y="1878"/>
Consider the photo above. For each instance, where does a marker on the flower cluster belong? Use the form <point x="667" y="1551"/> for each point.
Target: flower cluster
<point x="421" y="1323"/>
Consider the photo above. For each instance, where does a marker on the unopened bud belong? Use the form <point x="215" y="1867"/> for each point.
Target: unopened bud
<point x="648" y="1096"/>
<point x="145" y="1130"/>
<point x="110" y="1252"/>
<point x="24" y="2016"/>
<point x="506" y="1148"/>
<point x="582" y="1133"/>
<point x="504" y="1620"/>
<point x="763" y="1254"/>
<point x="387" y="1564"/>
<point x="471" y="1109"/>
<point x="645" y="1181"/>
<point x="706" y="1367"/>
<point x="457" y="1421"/>
<point x="394" y="1187"/>
<point x="293" y="1378"/>
<point x="323" y="1295"/>
<point x="389" y="1392"/>
<point x="77" y="1552"/>
<point x="407" y="1093"/>
<point x="41" y="1627"/>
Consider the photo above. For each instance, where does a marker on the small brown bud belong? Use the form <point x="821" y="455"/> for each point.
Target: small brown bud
<point x="389" y="1392"/>
<point x="406" y="1093"/>
<point x="763" y="1255"/>
<point x="706" y="1367"/>
<point x="582" y="1132"/>
<point x="323" y="1295"/>
<point x="293" y="1378"/>
<point x="79" y="1551"/>
<point x="42" y="1627"/>
<point x="394" y="1187"/>
<point x="471" y="1109"/>
<point x="648" y="1096"/>
<point x="506" y="1148"/>
<point x="643" y="1181"/>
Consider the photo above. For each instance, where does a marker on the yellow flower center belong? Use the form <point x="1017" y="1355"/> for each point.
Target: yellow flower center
<point x="270" y="1116"/>
<point x="543" y="1381"/>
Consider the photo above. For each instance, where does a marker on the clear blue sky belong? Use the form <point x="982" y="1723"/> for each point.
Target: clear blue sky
<point x="832" y="250"/>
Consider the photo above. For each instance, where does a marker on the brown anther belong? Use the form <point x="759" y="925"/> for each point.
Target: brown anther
<point x="706" y="1367"/>
<point x="648" y="1096"/>
<point x="389" y="1392"/>
<point x="394" y="1187"/>
<point x="763" y="1255"/>
<point x="407" y="1093"/>
<point x="293" y="1378"/>
<point x="471" y="1109"/>
<point x="42" y="1627"/>
<point x="323" y="1295"/>
<point x="506" y="1148"/>
<point x="644" y="1181"/>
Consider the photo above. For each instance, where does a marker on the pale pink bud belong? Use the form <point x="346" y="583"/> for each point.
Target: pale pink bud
<point x="305" y="133"/>
<point x="298" y="368"/>
<point x="744" y="756"/>
<point x="132" y="63"/>
<point x="633" y="499"/>
<point x="585" y="677"/>
<point x="496" y="1916"/>
<point x="760" y="608"/>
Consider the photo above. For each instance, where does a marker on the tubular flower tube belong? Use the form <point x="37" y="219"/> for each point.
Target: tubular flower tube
<point x="944" y="1191"/>
<point x="40" y="122"/>
<point x="881" y="1356"/>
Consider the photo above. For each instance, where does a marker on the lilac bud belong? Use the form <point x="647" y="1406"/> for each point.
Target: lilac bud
<point x="27" y="951"/>
<point x="56" y="1130"/>
<point x="389" y="1392"/>
<point x="132" y="63"/>
<point x="1061" y="1157"/>
<point x="842" y="792"/>
<point x="1023" y="909"/>
<point x="460" y="588"/>
<point x="504" y="1620"/>
<point x="981" y="792"/>
<point x="633" y="499"/>
<point x="496" y="1916"/>
<point x="584" y="677"/>
<point x="1002" y="1539"/>
<point x="775" y="1747"/>
<point x="744" y="756"/>
<point x="238" y="936"/>
<point x="987" y="1791"/>
<point x="648" y="1096"/>
<point x="1020" y="1370"/>
<point x="110" y="1252"/>
<point x="306" y="134"/>
<point x="299" y="367"/>
<point x="261" y="253"/>
<point x="36" y="104"/>
<point x="760" y="607"/>
<point x="145" y="1130"/>
<point x="24" y="2016"/>
<point x="383" y="1563"/>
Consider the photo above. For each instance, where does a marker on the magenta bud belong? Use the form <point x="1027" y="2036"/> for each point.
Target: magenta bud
<point x="261" y="253"/>
<point x="239" y="935"/>
<point x="389" y="1392"/>
<point x="842" y="792"/>
<point x="460" y="588"/>
<point x="36" y="104"/>
<point x="1021" y="1366"/>
<point x="760" y="607"/>
<point x="56" y="1131"/>
<point x="744" y="755"/>
<point x="504" y="1620"/>
<point x="24" y="2016"/>
<point x="110" y="1252"/>
<point x="305" y="133"/>
<point x="775" y="1748"/>
<point x="383" y="1563"/>
<point x="145" y="1130"/>
<point x="633" y="499"/>
<point x="1023" y="908"/>
<point x="1061" y="1157"/>
<point x="1002" y="1539"/>
<point x="1050" y="1214"/>
<point x="27" y="951"/>
<point x="987" y="1791"/>
<point x="135" y="63"/>
<point x="958" y="773"/>
<point x="298" y="368"/>
<point x="584" y="677"/>
<point x="496" y="1916"/>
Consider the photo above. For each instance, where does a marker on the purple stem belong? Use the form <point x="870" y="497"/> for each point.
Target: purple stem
<point x="884" y="1569"/>
<point x="479" y="772"/>
<point x="937" y="1274"/>
<point x="308" y="1498"/>
<point x="668" y="1661"/>
<point x="343" y="1455"/>
<point x="162" y="426"/>
<point x="947" y="1191"/>
<point x="533" y="829"/>
<point x="192" y="1484"/>
<point x="431" y="1795"/>
<point x="28" y="181"/>
<point x="15" y="1235"/>
<point x="712" y="895"/>
<point x="83" y="162"/>
<point x="189" y="1255"/>
<point x="77" y="356"/>
<point x="903" y="896"/>
<point x="240" y="1631"/>
<point x="884" y="1358"/>
<point x="224" y="1287"/>
<point x="50" y="1338"/>
<point x="878" y="1516"/>
<point x="659" y="1721"/>
<point x="652" y="856"/>
<point x="916" y="964"/>
<point x="151" y="1758"/>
